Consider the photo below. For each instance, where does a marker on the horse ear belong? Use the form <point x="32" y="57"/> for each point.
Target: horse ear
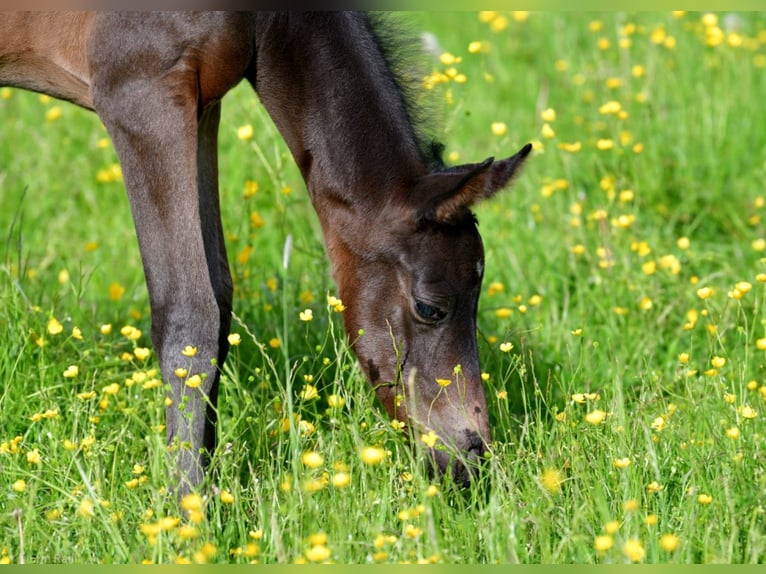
<point x="455" y="190"/>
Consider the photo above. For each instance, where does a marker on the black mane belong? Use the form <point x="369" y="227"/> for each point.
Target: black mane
<point x="402" y="50"/>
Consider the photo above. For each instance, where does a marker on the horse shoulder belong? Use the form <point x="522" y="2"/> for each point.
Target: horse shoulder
<point x="211" y="49"/>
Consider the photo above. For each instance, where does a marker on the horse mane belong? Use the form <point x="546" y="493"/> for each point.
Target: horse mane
<point x="403" y="51"/>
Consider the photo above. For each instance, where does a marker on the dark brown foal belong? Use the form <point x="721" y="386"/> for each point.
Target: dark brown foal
<point x="405" y="251"/>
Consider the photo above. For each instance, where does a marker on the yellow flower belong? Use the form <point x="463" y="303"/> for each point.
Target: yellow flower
<point x="372" y="455"/>
<point x="475" y="47"/>
<point x="658" y="424"/>
<point x="306" y="315"/>
<point x="718" y="362"/>
<point x="315" y="484"/>
<point x="506" y="347"/>
<point x="605" y="144"/>
<point x="53" y="114"/>
<point x="595" y="417"/>
<point x="19" y="486"/>
<point x="309" y="392"/>
<point x="335" y="401"/>
<point x="503" y="312"/>
<point x="572" y="147"/>
<point x="747" y="412"/>
<point x="336" y="304"/>
<point x="245" y="132"/>
<point x="705" y="292"/>
<point x="53" y="514"/>
<point x="411" y="531"/>
<point x="498" y="23"/>
<point x="168" y="522"/>
<point x="130" y="332"/>
<point x="430" y="438"/>
<point x="187" y="532"/>
<point x="306" y="427"/>
<point x="444" y="382"/>
<point x="312" y="459"/>
<point x="551" y="480"/>
<point x="318" y="553"/>
<point x="733" y="432"/>
<point x="72" y="371"/>
<point x="654" y="487"/>
<point x="499" y="128"/>
<point x="142" y="353"/>
<point x="669" y="542"/>
<point x="448" y="59"/>
<point x="548" y="115"/>
<point x="150" y="530"/>
<point x="306" y="297"/>
<point x="603" y="542"/>
<point x="634" y="550"/>
<point x="116" y="291"/>
<point x="256" y="534"/>
<point x="341" y="479"/>
<point x="234" y="339"/>
<point x="581" y="398"/>
<point x="112" y="389"/>
<point x="610" y="107"/>
<point x="244" y="254"/>
<point x="227" y="497"/>
<point x="33" y="457"/>
<point x="192" y="501"/>
<point x="612" y="526"/>
<point x="622" y="462"/>
<point x="87" y="442"/>
<point x="704" y="499"/>
<point x="54" y="327"/>
<point x="85" y="509"/>
<point x="397" y="424"/>
<point x="189" y="351"/>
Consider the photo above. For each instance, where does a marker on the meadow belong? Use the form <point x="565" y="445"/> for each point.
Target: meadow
<point x="622" y="323"/>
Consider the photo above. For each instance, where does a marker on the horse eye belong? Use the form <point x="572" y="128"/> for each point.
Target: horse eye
<point x="428" y="312"/>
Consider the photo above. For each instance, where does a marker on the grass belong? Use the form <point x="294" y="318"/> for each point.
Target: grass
<point x="621" y="326"/>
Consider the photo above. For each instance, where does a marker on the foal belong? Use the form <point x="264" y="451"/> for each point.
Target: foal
<point x="405" y="251"/>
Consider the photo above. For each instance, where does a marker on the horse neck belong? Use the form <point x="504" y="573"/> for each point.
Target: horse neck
<point x="326" y="84"/>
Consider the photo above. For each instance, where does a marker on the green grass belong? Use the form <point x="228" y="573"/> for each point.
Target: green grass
<point x="628" y="408"/>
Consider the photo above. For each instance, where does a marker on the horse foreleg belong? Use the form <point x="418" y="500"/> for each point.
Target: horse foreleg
<point x="215" y="246"/>
<point x="170" y="177"/>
